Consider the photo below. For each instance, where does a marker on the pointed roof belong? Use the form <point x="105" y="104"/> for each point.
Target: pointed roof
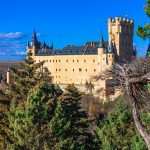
<point x="101" y="43"/>
<point x="111" y="47"/>
<point x="148" y="50"/>
<point x="34" y="37"/>
<point x="52" y="46"/>
<point x="28" y="44"/>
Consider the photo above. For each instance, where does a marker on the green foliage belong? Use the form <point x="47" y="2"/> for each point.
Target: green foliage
<point x="118" y="131"/>
<point x="70" y="125"/>
<point x="144" y="32"/>
<point x="29" y="125"/>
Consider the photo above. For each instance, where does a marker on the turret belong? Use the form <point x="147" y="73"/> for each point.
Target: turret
<point x="34" y="38"/>
<point x="111" y="47"/>
<point x="120" y="31"/>
<point x="148" y="50"/>
<point x="101" y="47"/>
<point x="52" y="46"/>
<point x="8" y="76"/>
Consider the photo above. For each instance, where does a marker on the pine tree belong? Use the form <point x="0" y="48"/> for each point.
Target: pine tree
<point x="70" y="125"/>
<point x="144" y="32"/>
<point x="23" y="80"/>
<point x="29" y="126"/>
<point x="118" y="131"/>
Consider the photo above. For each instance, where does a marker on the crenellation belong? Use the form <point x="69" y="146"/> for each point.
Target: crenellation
<point x="77" y="64"/>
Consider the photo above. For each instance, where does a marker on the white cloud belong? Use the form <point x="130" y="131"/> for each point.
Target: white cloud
<point x="11" y="35"/>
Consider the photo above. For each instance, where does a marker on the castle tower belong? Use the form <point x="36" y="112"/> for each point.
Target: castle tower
<point x="8" y="76"/>
<point x="101" y="47"/>
<point x="110" y="54"/>
<point x="32" y="47"/>
<point x="120" y="31"/>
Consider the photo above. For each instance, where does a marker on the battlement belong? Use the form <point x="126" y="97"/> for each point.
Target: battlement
<point x="120" y="20"/>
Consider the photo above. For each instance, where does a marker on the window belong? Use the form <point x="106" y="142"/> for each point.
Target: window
<point x="56" y="60"/>
<point x="53" y="60"/>
<point x="50" y="60"/>
<point x="59" y="60"/>
<point x="73" y="70"/>
<point x="66" y="60"/>
<point x="93" y="60"/>
<point x="86" y="70"/>
<point x="80" y="69"/>
<point x="59" y="69"/>
<point x="109" y="56"/>
<point x="94" y="70"/>
<point x="77" y="60"/>
<point x="73" y="60"/>
<point x="103" y="58"/>
<point x="56" y="69"/>
<point x="65" y="69"/>
<point x="84" y="60"/>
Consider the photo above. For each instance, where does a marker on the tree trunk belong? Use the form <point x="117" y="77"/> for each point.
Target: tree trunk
<point x="139" y="127"/>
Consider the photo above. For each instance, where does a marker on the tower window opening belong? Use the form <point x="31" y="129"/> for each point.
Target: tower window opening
<point x="80" y="69"/>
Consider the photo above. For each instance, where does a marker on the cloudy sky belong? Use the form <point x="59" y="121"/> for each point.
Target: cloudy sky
<point x="63" y="22"/>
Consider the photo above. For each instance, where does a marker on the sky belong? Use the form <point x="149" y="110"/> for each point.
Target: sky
<point x="62" y="22"/>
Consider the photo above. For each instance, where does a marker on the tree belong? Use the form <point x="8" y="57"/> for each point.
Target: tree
<point x="23" y="80"/>
<point x="118" y="131"/>
<point x="70" y="125"/>
<point x="133" y="79"/>
<point x="29" y="126"/>
<point x="144" y="32"/>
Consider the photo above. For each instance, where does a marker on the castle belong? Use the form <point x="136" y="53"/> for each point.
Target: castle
<point x="77" y="64"/>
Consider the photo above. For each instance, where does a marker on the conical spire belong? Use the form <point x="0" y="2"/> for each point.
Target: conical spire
<point x="135" y="51"/>
<point x="52" y="46"/>
<point x="44" y="45"/>
<point x="148" y="50"/>
<point x="111" y="47"/>
<point x="28" y="44"/>
<point x="34" y="38"/>
<point x="101" y="43"/>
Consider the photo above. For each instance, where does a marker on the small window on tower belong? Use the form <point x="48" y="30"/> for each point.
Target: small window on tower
<point x="80" y="69"/>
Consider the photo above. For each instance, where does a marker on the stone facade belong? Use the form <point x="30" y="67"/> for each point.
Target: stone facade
<point x="77" y="64"/>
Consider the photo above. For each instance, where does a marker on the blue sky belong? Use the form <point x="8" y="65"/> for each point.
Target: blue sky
<point x="63" y="22"/>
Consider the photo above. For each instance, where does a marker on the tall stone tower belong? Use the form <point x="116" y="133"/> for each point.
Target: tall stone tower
<point x="120" y="31"/>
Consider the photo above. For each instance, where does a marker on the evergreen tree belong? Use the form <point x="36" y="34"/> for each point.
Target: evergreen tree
<point x="70" y="125"/>
<point x="118" y="131"/>
<point x="29" y="126"/>
<point x="144" y="32"/>
<point x="24" y="78"/>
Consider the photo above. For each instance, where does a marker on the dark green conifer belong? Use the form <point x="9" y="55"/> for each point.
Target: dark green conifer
<point x="70" y="125"/>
